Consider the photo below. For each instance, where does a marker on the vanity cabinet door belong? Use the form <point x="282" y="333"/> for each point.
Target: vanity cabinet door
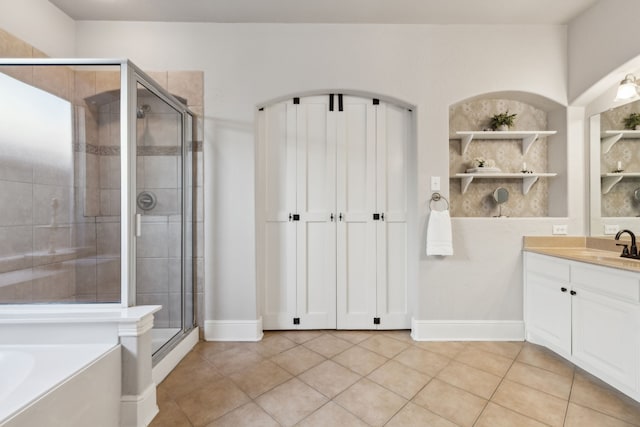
<point x="548" y="313"/>
<point x="605" y="337"/>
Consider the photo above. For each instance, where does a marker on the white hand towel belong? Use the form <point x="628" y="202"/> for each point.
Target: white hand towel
<point x="439" y="240"/>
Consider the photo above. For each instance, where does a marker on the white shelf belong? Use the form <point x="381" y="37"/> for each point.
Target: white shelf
<point x="528" y="137"/>
<point x="528" y="179"/>
<point x="608" y="138"/>
<point x="609" y="180"/>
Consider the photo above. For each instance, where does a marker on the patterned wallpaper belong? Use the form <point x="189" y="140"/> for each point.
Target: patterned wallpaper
<point x="619" y="201"/>
<point x="507" y="154"/>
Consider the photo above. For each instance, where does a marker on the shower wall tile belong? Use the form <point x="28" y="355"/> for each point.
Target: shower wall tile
<point x="154" y="241"/>
<point x="152" y="275"/>
<point x="84" y="235"/>
<point x="16" y="162"/>
<point x="91" y="203"/>
<point x="108" y="237"/>
<point x="109" y="172"/>
<point x="15" y="240"/>
<point x="160" y="318"/>
<point x="199" y="128"/>
<point x="175" y="239"/>
<point x="55" y="80"/>
<point x="107" y="80"/>
<point x="163" y="130"/>
<point x="86" y="272"/>
<point x="55" y="174"/>
<point x="199" y="275"/>
<point x="160" y="77"/>
<point x="161" y="171"/>
<point x="110" y="202"/>
<point x="175" y="310"/>
<point x="85" y="86"/>
<point x="175" y="274"/>
<point x="16" y="293"/>
<point x="199" y="170"/>
<point x="108" y="279"/>
<point x="46" y="238"/>
<point x="19" y="196"/>
<point x="54" y="282"/>
<point x="187" y="84"/>
<point x="199" y="204"/>
<point x="43" y="199"/>
<point x="12" y="47"/>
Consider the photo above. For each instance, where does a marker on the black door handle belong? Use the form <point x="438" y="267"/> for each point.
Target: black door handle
<point x="573" y="292"/>
<point x="563" y="289"/>
<point x="331" y="217"/>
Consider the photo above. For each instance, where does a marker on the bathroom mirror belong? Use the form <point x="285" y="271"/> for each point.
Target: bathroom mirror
<point x="615" y="170"/>
<point x="500" y="196"/>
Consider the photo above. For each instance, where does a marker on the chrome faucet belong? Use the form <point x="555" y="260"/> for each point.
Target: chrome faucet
<point x="626" y="252"/>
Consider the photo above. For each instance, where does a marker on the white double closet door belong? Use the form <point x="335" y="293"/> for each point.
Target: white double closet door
<point x="334" y="244"/>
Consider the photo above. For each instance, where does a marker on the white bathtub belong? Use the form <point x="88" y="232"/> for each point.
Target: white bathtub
<point x="76" y="365"/>
<point x="66" y="384"/>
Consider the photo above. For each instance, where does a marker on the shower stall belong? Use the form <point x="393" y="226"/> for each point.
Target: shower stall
<point x="97" y="191"/>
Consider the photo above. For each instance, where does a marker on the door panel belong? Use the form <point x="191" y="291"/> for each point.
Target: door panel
<point x="279" y="280"/>
<point x="356" y="279"/>
<point x="392" y="303"/>
<point x="549" y="312"/>
<point x="391" y="190"/>
<point x="315" y="189"/>
<point x="279" y="306"/>
<point x="605" y="336"/>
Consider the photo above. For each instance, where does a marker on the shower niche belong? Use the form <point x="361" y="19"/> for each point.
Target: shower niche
<point x="97" y="190"/>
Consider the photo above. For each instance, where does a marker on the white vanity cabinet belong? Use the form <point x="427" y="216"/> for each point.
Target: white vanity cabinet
<point x="588" y="314"/>
<point x="548" y="303"/>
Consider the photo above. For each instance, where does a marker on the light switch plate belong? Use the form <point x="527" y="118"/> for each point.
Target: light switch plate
<point x="559" y="229"/>
<point x="611" y="228"/>
<point x="435" y="183"/>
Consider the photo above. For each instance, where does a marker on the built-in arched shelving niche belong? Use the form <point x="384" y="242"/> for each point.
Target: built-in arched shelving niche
<point x="530" y="158"/>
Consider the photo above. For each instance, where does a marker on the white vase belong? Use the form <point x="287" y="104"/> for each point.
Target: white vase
<point x="503" y="128"/>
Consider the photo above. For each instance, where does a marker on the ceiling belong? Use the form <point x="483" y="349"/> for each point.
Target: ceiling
<point x="516" y="12"/>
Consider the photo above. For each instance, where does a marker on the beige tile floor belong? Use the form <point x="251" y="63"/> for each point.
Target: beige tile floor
<point x="367" y="378"/>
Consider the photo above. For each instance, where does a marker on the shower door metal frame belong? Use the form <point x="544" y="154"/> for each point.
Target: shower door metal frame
<point x="135" y="76"/>
<point x="130" y="74"/>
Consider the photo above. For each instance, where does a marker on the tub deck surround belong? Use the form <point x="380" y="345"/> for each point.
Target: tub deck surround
<point x="90" y="326"/>
<point x="593" y="250"/>
<point x="31" y="373"/>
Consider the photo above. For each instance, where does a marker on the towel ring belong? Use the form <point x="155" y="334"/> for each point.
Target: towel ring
<point x="436" y="197"/>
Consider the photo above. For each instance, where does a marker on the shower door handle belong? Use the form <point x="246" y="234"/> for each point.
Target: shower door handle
<point x="138" y="225"/>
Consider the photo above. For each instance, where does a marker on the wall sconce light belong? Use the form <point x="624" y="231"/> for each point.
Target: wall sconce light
<point x="628" y="88"/>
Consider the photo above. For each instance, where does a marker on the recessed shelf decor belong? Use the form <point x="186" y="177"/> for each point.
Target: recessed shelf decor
<point x="608" y="138"/>
<point x="609" y="180"/>
<point x="528" y="137"/>
<point x="528" y="179"/>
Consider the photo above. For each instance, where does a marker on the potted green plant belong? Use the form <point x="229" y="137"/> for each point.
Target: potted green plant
<point x="632" y="121"/>
<point x="502" y="121"/>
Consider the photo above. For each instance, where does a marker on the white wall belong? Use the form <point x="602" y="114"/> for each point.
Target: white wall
<point x="430" y="67"/>
<point x="603" y="45"/>
<point x="40" y="24"/>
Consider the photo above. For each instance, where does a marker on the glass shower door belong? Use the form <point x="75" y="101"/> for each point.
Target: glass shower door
<point x="162" y="208"/>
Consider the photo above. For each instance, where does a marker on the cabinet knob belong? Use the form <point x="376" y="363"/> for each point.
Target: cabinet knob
<point x="563" y="289"/>
<point x="573" y="292"/>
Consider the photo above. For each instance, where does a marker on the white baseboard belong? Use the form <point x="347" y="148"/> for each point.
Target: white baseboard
<point x="171" y="359"/>
<point x="233" y="330"/>
<point x="139" y="410"/>
<point x="467" y="330"/>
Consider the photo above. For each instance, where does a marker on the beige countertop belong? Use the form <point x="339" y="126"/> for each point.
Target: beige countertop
<point x="593" y="250"/>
